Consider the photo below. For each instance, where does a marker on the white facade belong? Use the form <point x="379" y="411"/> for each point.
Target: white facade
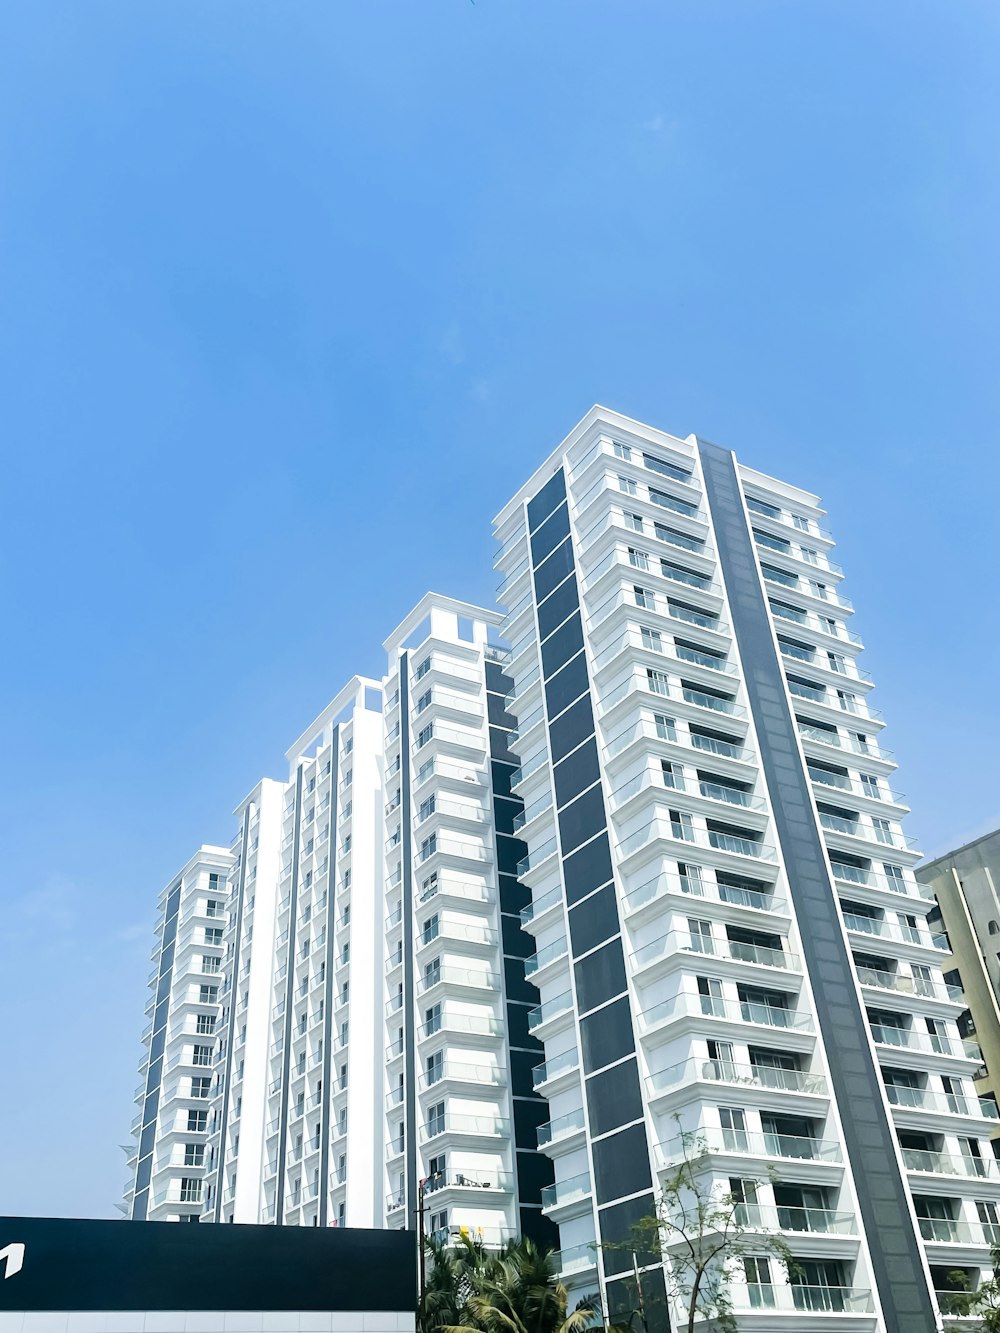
<point x="676" y="828"/>
<point x="167" y="1159"/>
<point x="361" y="1007"/>
<point x="702" y="839"/>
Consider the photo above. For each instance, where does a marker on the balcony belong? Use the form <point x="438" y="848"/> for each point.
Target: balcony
<point x="740" y="1011"/>
<point x="822" y="1221"/>
<point x="669" y="882"/>
<point x="465" y="1126"/>
<point x="767" y="1077"/>
<point x="537" y="962"/>
<point x="474" y="1179"/>
<point x="942" y="1103"/>
<point x="787" y="1146"/>
<point x="544" y="1013"/>
<point x="483" y="1077"/>
<point x="904" y="985"/>
<point x="577" y="1259"/>
<point x="946" y="1164"/>
<point x="676" y="942"/>
<point x="551" y="1069"/>
<point x="796" y="1296"/>
<point x="458" y="978"/>
<point x="564" y="1192"/>
<point x="563" y="1127"/>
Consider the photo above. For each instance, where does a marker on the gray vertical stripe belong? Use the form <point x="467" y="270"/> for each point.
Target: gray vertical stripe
<point x="220" y="1178"/>
<point x="869" y="1136"/>
<point x="286" y="1054"/>
<point x="326" y="1066"/>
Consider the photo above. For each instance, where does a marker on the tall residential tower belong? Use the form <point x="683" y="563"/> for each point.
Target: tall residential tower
<point x="730" y="939"/>
<point x="572" y="887"/>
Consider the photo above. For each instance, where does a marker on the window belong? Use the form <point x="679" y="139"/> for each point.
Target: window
<point x="734" y="1128"/>
<point x="720" y="1053"/>
<point x="681" y="826"/>
<point x="435" y="1067"/>
<point x="690" y="877"/>
<point x="762" y="507"/>
<point x="439" y="1222"/>
<point x="847" y="701"/>
<point x="652" y="640"/>
<point x="644" y="598"/>
<point x="627" y="486"/>
<point x="435" y="1118"/>
<point x="211" y="962"/>
<point x="658" y="681"/>
<point x="215" y="908"/>
<point x="194" y="1154"/>
<point x="837" y="663"/>
<point x="896" y="879"/>
<point x="429" y="886"/>
<point x="638" y="559"/>
<point x="760" y="1286"/>
<point x="923" y="981"/>
<point x="701" y="936"/>
<point x="428" y="847"/>
<point x="425" y="735"/>
<point x="634" y="521"/>
<point x="197" y="1121"/>
<point x="432" y="1020"/>
<point x="201" y="1055"/>
<point x="422" y="669"/>
<point x="424" y="701"/>
<point x="432" y="973"/>
<point x="869" y="784"/>
<point x="801" y="523"/>
<point x="673" y="774"/>
<point x="883" y="829"/>
<point x="809" y="555"/>
<point x="666" y="469"/>
<point x="622" y="451"/>
<point x="430" y="929"/>
<point x="201" y="1087"/>
<point x="666" y="730"/>
<point x="710" y="992"/>
<point x="436" y="1168"/>
<point x="190" y="1190"/>
<point x="345" y="952"/>
<point x="205" y="1024"/>
<point x="426" y="808"/>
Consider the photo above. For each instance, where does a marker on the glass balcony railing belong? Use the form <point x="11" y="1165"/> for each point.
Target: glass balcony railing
<point x="948" y="1164"/>
<point x="542" y="1013"/>
<point x="553" y="1130"/>
<point x="566" y="1191"/>
<point x="559" y="1064"/>
<point x="727" y="1071"/>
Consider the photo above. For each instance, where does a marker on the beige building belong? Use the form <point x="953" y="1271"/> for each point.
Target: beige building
<point x="966" y="884"/>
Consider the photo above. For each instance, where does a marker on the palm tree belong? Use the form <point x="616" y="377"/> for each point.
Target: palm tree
<point x="516" y="1290"/>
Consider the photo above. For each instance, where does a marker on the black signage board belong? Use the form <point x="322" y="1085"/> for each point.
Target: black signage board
<point x="55" y="1263"/>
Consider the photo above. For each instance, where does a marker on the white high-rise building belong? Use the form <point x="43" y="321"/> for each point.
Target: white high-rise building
<point x="730" y="938"/>
<point x="369" y="1006"/>
<point x="530" y="910"/>
<point x="167" y="1158"/>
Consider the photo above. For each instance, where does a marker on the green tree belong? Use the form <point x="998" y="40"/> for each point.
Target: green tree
<point x="698" y="1232"/>
<point x="984" y="1302"/>
<point x="513" y="1290"/>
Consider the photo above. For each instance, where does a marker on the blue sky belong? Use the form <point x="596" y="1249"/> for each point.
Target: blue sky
<point x="295" y="295"/>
